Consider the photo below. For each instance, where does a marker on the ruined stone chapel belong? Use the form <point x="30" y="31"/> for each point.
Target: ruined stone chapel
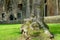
<point x="16" y="10"/>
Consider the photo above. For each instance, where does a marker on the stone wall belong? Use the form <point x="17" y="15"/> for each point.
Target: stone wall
<point x="49" y="19"/>
<point x="52" y="19"/>
<point x="7" y="13"/>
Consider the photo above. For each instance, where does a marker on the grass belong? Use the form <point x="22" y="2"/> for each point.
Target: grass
<point x="12" y="31"/>
<point x="55" y="29"/>
<point x="9" y="31"/>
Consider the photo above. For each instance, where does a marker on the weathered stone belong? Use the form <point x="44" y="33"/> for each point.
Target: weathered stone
<point x="10" y="7"/>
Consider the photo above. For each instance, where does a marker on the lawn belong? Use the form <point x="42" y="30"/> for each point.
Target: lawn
<point x="55" y="29"/>
<point x="12" y="31"/>
<point x="9" y="31"/>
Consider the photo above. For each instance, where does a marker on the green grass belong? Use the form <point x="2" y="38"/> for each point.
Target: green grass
<point x="9" y="31"/>
<point x="55" y="29"/>
<point x="12" y="31"/>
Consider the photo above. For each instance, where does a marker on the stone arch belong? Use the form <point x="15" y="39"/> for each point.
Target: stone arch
<point x="20" y="6"/>
<point x="3" y="15"/>
<point x="45" y="8"/>
<point x="45" y="1"/>
<point x="11" y="17"/>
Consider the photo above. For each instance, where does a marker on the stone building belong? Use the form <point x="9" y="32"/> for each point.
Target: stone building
<point x="10" y="10"/>
<point x="52" y="7"/>
<point x="16" y="10"/>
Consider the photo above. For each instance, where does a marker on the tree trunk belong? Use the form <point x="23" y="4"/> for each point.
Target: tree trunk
<point x="38" y="7"/>
<point x="32" y="27"/>
<point x="28" y="9"/>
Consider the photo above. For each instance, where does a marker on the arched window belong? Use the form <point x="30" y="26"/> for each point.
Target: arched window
<point x="18" y="15"/>
<point x="3" y="15"/>
<point x="45" y="10"/>
<point x="20" y="6"/>
<point x="45" y="1"/>
<point x="11" y="17"/>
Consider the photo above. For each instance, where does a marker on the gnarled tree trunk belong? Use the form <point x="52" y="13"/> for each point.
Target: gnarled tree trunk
<point x="35" y="28"/>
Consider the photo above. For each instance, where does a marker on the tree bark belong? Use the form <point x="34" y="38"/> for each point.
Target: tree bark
<point x="29" y="30"/>
<point x="39" y="9"/>
<point x="28" y="9"/>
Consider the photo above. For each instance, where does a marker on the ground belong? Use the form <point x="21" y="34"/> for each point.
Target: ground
<point x="12" y="31"/>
